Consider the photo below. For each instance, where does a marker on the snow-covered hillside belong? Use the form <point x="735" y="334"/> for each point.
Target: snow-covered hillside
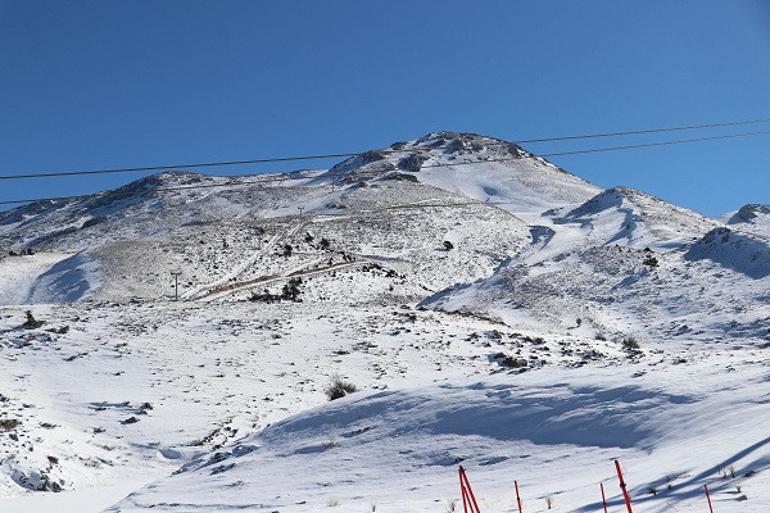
<point x="483" y="168"/>
<point x="752" y="218"/>
<point x="556" y="431"/>
<point x="491" y="308"/>
<point x="627" y="217"/>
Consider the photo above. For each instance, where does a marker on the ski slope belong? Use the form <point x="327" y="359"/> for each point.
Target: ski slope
<point x="491" y="308"/>
<point x="556" y="431"/>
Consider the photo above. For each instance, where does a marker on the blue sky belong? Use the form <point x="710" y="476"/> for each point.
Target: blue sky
<point x="108" y="83"/>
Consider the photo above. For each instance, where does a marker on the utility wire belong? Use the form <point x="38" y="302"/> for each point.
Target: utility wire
<point x="449" y="164"/>
<point x="646" y="131"/>
<point x="296" y="158"/>
<point x="175" y="166"/>
<point x="654" y="144"/>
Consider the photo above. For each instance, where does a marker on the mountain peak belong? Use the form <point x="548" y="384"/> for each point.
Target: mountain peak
<point x="449" y="142"/>
<point x="751" y="211"/>
<point x="753" y="218"/>
<point x="434" y="149"/>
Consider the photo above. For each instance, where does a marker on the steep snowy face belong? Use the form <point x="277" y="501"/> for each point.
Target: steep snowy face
<point x="628" y="217"/>
<point x="482" y="168"/>
<point x="754" y="218"/>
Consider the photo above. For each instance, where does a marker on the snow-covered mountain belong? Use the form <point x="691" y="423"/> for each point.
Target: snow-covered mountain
<point x="411" y="196"/>
<point x="627" y="217"/>
<point x="483" y="168"/>
<point x="626" y="262"/>
<point x="754" y="218"/>
<point x="492" y="309"/>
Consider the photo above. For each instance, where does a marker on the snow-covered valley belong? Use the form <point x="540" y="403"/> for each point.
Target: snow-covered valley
<point x="490" y="308"/>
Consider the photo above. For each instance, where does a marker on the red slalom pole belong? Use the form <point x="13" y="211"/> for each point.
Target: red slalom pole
<point x="474" y="506"/>
<point x="604" y="499"/>
<point x="708" y="497"/>
<point x="518" y="497"/>
<point x="462" y="491"/>
<point x="623" y="487"/>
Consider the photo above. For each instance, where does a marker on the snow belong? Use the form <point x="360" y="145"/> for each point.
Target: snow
<point x="744" y="254"/>
<point x="568" y="326"/>
<point x="556" y="431"/>
<point x="66" y="281"/>
<point x="625" y="216"/>
<point x="753" y="218"/>
<point x="19" y="275"/>
<point x="89" y="499"/>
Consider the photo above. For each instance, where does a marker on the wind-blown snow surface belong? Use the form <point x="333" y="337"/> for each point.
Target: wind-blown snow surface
<point x="557" y="431"/>
<point x="492" y="308"/>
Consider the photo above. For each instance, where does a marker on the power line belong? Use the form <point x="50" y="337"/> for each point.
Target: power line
<point x="159" y="189"/>
<point x="646" y="131"/>
<point x="296" y="158"/>
<point x="507" y="159"/>
<point x="612" y="148"/>
<point x="654" y="144"/>
<point x="175" y="166"/>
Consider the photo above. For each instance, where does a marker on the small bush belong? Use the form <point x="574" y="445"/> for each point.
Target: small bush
<point x="448" y="246"/>
<point x="339" y="388"/>
<point x="651" y="262"/>
<point x="510" y="362"/>
<point x="630" y="344"/>
<point x="31" y="323"/>
<point x="292" y="291"/>
<point x="9" y="424"/>
<point x="265" y="297"/>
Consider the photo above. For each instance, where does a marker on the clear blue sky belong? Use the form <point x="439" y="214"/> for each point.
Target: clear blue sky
<point x="109" y="83"/>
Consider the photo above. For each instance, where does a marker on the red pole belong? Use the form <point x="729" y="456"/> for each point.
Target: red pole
<point x="604" y="499"/>
<point x="623" y="487"/>
<point x="462" y="491"/>
<point x="474" y="505"/>
<point x="518" y="497"/>
<point x="708" y="497"/>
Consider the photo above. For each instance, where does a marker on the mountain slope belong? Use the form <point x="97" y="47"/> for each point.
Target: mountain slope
<point x="149" y="207"/>
<point x="625" y="216"/>
<point x="479" y="167"/>
<point x="228" y="233"/>
<point x="754" y="218"/>
<point x="625" y="262"/>
<point x="555" y="431"/>
<point x="491" y="308"/>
